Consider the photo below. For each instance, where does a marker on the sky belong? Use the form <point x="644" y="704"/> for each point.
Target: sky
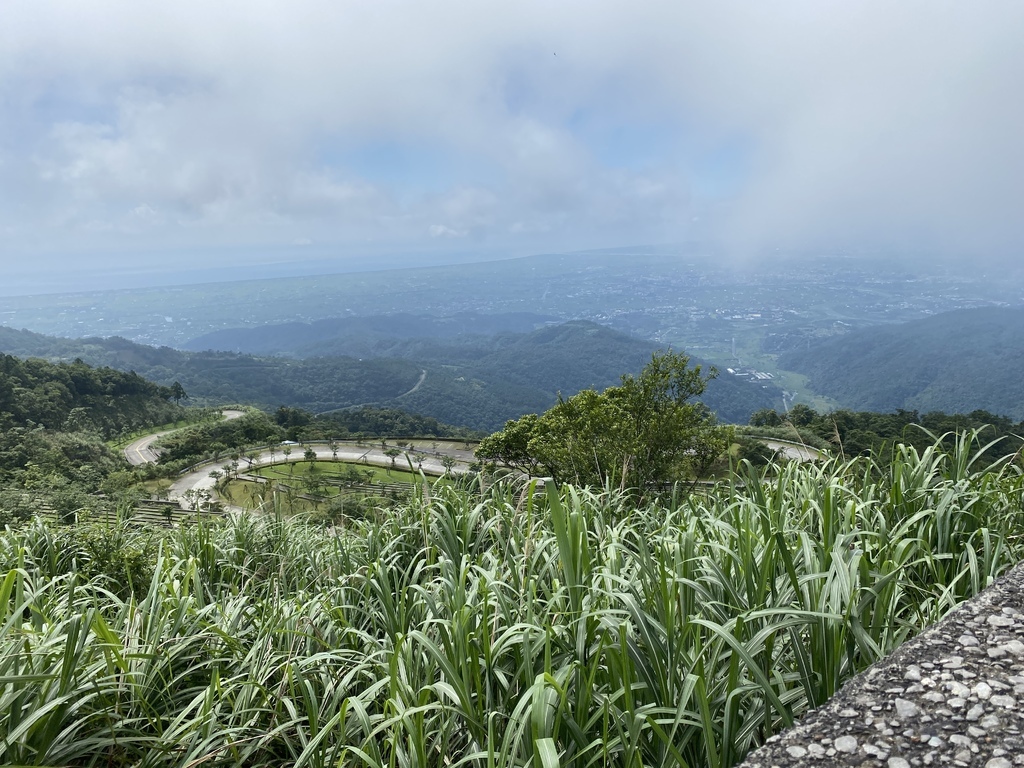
<point x="144" y="137"/>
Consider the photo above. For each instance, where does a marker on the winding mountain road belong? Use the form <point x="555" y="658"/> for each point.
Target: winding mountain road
<point x="790" y="450"/>
<point x="141" y="451"/>
<point x="419" y="383"/>
<point x="199" y="479"/>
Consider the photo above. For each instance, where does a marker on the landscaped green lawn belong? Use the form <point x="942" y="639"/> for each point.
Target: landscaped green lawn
<point x="357" y="477"/>
<point x="337" y="470"/>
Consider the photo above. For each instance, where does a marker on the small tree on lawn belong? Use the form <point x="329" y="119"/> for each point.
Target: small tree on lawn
<point x="392" y="453"/>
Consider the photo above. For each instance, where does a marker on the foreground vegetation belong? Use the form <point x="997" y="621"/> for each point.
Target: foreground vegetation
<point x="521" y="626"/>
<point x="852" y="433"/>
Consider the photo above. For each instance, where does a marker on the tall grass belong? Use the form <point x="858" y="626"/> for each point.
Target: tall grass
<point x="524" y="626"/>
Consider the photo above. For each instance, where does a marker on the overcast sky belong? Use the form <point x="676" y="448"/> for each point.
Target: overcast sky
<point x="228" y="132"/>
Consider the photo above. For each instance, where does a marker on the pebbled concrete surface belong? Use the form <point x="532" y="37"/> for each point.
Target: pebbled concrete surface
<point x="952" y="696"/>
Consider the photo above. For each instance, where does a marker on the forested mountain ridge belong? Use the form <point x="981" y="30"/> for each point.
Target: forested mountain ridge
<point x="473" y="381"/>
<point x="481" y="380"/>
<point x="214" y="378"/>
<point x="75" y="396"/>
<point x="54" y="418"/>
<point x="512" y="374"/>
<point x="955" y="362"/>
<point x="359" y="336"/>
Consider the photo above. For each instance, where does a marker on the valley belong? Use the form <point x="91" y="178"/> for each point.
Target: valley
<point x="751" y="321"/>
<point x="751" y="318"/>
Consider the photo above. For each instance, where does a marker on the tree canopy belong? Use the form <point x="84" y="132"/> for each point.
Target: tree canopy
<point x="647" y="430"/>
<point x="860" y="433"/>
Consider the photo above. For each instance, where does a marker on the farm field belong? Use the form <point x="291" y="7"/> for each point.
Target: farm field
<point x="526" y="625"/>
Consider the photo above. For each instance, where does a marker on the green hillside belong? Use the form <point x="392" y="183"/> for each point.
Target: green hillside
<point x="481" y="380"/>
<point x="77" y="397"/>
<point x="54" y="420"/>
<point x="214" y="378"/>
<point x="359" y="336"/>
<point x="502" y="377"/>
<point x="955" y="362"/>
<point x="475" y="381"/>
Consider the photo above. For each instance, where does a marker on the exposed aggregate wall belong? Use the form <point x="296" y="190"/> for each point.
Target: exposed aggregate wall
<point x="952" y="696"/>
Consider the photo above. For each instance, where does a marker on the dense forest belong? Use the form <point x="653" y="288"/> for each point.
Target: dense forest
<point x="76" y="397"/>
<point x="954" y="362"/>
<point x="473" y="381"/>
<point x="861" y="433"/>
<point x="54" y="421"/>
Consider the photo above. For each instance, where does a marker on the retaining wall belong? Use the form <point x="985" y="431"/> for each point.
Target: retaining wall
<point x="952" y="696"/>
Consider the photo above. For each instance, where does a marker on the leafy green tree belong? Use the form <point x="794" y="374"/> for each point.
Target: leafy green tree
<point x="511" y="446"/>
<point x="801" y="415"/>
<point x="765" y="417"/>
<point x="315" y="483"/>
<point x="392" y="453"/>
<point x="756" y="452"/>
<point x="645" y="431"/>
<point x="178" y="392"/>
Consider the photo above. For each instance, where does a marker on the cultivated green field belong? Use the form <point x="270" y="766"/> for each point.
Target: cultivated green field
<point x="527" y="626"/>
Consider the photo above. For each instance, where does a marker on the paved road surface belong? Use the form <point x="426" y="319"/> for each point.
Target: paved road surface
<point x="141" y="451"/>
<point x="793" y="450"/>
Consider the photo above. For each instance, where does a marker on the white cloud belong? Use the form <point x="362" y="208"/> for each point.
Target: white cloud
<point x="195" y="125"/>
<point x="440" y="230"/>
